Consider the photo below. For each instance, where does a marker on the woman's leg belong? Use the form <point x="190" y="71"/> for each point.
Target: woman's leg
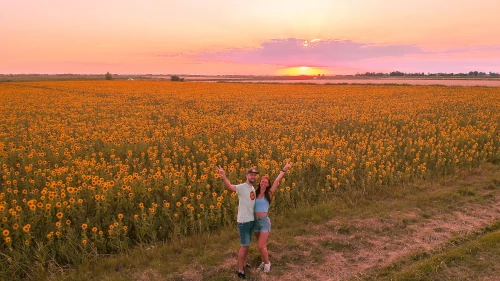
<point x="257" y="235"/>
<point x="261" y="244"/>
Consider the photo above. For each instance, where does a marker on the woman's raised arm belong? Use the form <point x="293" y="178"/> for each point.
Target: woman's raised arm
<point x="277" y="181"/>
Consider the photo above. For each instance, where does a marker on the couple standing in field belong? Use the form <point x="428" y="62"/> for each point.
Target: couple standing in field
<point x="252" y="214"/>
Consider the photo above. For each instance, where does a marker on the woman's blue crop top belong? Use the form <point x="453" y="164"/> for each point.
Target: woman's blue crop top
<point x="261" y="205"/>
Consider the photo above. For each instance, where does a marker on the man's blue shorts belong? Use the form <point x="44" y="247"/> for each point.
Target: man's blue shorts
<point x="245" y="229"/>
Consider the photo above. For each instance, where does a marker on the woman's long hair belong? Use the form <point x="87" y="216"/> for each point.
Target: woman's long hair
<point x="267" y="193"/>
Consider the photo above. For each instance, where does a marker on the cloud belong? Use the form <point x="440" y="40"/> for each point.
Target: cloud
<point x="316" y="52"/>
<point x="346" y="54"/>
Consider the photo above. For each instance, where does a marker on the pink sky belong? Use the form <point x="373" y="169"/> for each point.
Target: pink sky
<point x="248" y="37"/>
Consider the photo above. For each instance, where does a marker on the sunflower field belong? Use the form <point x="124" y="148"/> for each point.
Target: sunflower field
<point x="89" y="168"/>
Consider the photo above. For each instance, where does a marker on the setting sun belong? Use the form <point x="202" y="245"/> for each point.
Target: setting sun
<point x="302" y="70"/>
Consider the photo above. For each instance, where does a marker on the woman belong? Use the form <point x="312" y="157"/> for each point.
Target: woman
<point x="262" y="222"/>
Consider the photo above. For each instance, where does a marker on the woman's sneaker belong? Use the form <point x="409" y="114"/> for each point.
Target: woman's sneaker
<point x="241" y="275"/>
<point x="267" y="267"/>
<point x="261" y="266"/>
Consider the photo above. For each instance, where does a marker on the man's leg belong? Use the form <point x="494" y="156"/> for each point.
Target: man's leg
<point x="242" y="254"/>
<point x="245" y="230"/>
<point x="250" y="233"/>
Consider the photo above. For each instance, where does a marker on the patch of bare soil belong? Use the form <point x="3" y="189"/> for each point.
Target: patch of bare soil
<point x="375" y="243"/>
<point x="147" y="275"/>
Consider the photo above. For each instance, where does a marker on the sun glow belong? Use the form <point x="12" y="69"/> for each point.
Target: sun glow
<point x="306" y="43"/>
<point x="302" y="70"/>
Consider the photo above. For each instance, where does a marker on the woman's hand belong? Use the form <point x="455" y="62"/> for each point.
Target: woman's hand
<point x="280" y="176"/>
<point x="287" y="166"/>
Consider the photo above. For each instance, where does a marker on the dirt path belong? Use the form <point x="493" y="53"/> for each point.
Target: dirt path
<point x="364" y="245"/>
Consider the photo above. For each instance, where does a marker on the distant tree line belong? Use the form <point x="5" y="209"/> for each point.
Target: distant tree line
<point x="399" y="73"/>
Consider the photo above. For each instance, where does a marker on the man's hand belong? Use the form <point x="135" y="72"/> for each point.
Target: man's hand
<point x="227" y="184"/>
<point x="222" y="173"/>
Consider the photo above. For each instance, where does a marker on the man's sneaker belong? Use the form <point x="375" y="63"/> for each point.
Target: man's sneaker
<point x="261" y="266"/>
<point x="267" y="267"/>
<point x="241" y="275"/>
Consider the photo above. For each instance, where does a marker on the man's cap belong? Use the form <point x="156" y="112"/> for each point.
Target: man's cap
<point x="252" y="171"/>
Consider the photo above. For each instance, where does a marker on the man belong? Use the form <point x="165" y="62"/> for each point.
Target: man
<point x="246" y="218"/>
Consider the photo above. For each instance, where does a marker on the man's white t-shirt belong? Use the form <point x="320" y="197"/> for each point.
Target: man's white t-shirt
<point x="246" y="195"/>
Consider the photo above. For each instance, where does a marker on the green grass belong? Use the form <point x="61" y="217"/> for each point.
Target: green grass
<point x="448" y="262"/>
<point x="469" y="261"/>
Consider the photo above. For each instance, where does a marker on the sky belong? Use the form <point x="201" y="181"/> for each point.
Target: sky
<point x="259" y="37"/>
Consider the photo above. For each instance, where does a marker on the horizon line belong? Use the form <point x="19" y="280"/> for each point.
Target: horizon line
<point x="367" y="73"/>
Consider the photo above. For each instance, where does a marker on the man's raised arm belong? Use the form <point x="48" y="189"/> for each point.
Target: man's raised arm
<point x="227" y="184"/>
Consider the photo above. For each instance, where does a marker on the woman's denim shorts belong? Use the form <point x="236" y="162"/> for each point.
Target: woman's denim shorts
<point x="262" y="224"/>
